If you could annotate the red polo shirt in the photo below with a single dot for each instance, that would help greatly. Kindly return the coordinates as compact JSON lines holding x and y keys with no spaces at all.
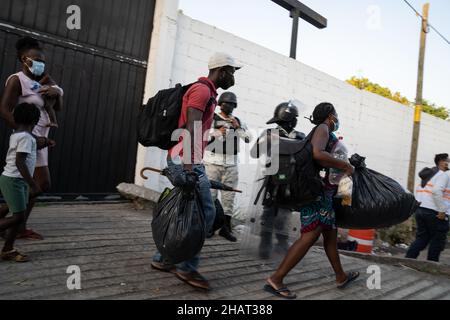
{"x":197,"y":97}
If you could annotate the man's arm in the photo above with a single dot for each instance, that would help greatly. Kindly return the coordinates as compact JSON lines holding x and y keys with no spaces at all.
{"x":243,"y":133}
{"x":194,"y":116}
{"x":440,"y":184}
{"x":324,"y":158}
{"x":23,"y":169}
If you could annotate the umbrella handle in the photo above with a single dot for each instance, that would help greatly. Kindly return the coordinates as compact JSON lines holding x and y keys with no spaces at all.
{"x":149,"y":169}
{"x":161,"y":172}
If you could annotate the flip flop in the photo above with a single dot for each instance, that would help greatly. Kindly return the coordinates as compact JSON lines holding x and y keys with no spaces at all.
{"x":351,"y":276}
{"x":289,"y":295}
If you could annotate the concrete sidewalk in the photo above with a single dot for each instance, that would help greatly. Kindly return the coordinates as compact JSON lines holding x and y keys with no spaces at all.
{"x":112,"y":244}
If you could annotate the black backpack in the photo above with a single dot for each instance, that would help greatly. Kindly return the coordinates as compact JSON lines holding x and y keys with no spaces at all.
{"x":158,"y":119}
{"x":297,"y":182}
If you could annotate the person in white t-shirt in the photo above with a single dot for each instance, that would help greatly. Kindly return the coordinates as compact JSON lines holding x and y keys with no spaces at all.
{"x":16,"y":181}
{"x":433,"y":215}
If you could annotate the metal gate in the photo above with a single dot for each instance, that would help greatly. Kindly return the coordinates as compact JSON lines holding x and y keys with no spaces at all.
{"x":102,"y":69}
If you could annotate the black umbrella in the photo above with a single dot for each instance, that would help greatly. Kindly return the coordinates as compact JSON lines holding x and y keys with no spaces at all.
{"x":214,"y":184}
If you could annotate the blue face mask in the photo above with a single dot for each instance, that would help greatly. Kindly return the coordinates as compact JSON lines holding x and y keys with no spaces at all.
{"x":336,"y":125}
{"x":37,"y":68}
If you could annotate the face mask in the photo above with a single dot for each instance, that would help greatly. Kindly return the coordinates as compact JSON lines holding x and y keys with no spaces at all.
{"x":227,"y":81}
{"x":289,"y":126}
{"x":336,"y":125}
{"x":37,"y":68}
{"x":228,"y":110}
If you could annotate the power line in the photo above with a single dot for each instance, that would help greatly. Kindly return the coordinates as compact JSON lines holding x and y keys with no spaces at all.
{"x":414,"y":9}
{"x":445,"y":39}
{"x":418,"y":14}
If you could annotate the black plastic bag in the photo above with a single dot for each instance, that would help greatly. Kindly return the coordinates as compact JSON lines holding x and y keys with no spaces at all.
{"x":179,"y":225}
{"x":377,"y":201}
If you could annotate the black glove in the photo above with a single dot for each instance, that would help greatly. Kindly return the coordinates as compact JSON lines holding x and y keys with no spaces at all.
{"x":182,"y":178}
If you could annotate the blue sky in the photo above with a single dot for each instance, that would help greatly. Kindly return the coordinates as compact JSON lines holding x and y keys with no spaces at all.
{"x":377,"y":39}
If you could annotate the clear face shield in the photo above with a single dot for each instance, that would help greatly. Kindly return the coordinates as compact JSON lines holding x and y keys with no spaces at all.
{"x":301,"y":107}
{"x":270,"y":227}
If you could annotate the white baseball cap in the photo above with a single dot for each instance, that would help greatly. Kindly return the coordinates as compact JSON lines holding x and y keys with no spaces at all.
{"x":220,"y":59}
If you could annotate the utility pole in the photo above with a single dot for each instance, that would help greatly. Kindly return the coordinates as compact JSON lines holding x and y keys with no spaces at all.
{"x":295,"y":15}
{"x":419,"y":99}
{"x":300,"y":11}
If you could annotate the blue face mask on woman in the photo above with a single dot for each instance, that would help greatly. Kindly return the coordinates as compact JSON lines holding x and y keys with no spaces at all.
{"x":336,"y":125}
{"x":37,"y":68}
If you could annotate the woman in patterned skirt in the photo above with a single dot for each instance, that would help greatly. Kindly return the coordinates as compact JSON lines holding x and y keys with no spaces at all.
{"x":317,"y":218}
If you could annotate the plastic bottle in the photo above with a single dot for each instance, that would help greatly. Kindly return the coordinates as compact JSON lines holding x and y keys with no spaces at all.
{"x":339,"y":152}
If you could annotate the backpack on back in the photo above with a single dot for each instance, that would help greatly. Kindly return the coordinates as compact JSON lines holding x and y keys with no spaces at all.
{"x":297,"y":181}
{"x":159,"y":118}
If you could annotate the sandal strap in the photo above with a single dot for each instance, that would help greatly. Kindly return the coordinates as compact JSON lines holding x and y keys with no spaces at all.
{"x":10,"y":252}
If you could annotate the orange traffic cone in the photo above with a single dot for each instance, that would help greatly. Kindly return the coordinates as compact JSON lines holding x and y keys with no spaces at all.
{"x":364,"y":238}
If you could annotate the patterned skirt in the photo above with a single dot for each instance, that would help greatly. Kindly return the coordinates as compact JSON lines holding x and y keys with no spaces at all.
{"x":319,"y":213}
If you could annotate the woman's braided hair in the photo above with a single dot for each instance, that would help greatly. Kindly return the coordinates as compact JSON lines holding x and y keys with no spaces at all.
{"x":321,"y":113}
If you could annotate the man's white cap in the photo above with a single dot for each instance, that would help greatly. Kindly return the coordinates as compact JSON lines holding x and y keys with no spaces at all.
{"x":220,"y":59}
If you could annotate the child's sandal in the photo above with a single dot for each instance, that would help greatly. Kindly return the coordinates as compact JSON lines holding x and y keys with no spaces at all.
{"x":14,"y":255}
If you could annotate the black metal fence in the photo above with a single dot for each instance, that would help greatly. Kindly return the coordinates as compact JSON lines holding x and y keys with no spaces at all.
{"x":102,"y":69}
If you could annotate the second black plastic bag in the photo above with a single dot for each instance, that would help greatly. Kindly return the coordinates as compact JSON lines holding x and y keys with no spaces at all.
{"x":179,"y":225}
{"x":377,"y":201}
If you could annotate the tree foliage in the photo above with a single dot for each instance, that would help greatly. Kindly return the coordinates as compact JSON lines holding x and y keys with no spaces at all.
{"x":427,"y":107}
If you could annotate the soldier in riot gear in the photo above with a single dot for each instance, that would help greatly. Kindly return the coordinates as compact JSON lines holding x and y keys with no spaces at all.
{"x":275,"y":216}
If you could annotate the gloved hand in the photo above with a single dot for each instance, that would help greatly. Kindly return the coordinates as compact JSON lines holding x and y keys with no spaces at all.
{"x":182,"y":178}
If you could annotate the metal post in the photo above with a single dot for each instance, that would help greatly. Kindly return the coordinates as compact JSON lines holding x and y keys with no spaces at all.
{"x":295,"y":14}
{"x":419,"y":100}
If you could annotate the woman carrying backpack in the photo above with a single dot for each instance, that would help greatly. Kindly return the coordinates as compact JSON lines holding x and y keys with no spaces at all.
{"x":318,"y":217}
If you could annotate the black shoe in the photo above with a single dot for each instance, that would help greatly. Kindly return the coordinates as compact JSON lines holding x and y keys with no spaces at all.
{"x":226,"y":233}
{"x":353,"y":245}
{"x":226,"y":230}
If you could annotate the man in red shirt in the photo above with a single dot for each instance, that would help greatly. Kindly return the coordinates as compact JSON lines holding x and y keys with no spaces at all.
{"x":196,"y":118}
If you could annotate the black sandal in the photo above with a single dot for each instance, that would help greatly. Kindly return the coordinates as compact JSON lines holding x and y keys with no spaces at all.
{"x":279,"y":293}
{"x":351,"y":276}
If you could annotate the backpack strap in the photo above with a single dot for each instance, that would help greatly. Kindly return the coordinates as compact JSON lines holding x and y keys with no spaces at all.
{"x":311,"y":134}
{"x":263,"y":187}
{"x":211,"y":89}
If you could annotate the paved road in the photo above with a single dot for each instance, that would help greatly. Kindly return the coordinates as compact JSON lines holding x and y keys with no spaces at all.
{"x":113,"y":246}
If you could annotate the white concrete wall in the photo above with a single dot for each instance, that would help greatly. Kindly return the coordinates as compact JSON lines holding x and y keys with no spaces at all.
{"x":159,"y":73}
{"x":372,"y":126}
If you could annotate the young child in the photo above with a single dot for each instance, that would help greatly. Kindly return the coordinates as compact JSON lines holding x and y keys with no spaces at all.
{"x":50,"y":103}
{"x":17,"y":177}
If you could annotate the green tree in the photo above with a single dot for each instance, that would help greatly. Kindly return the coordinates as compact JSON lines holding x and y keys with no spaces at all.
{"x":431,"y":108}
{"x":428,"y":107}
